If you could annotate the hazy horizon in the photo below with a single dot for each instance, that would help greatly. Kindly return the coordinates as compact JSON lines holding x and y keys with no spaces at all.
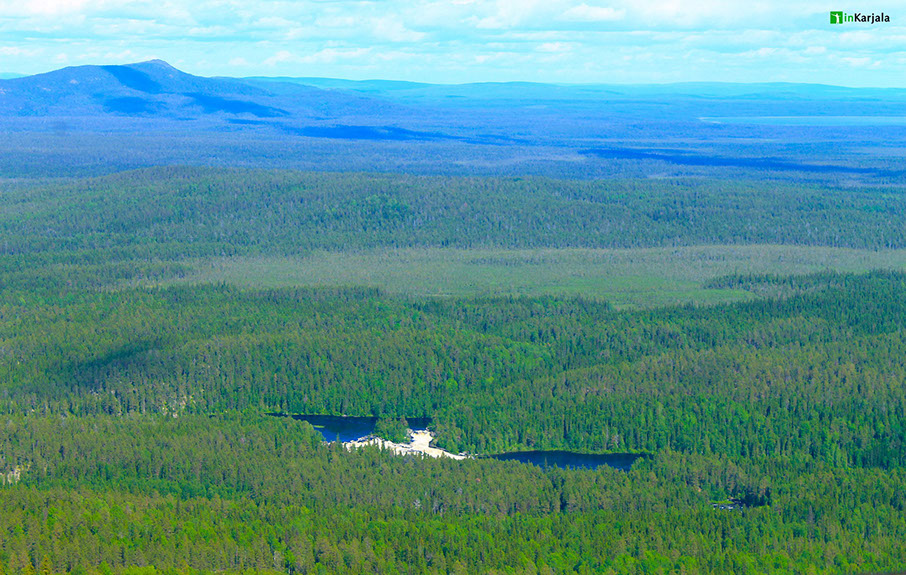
{"x":12,"y":75}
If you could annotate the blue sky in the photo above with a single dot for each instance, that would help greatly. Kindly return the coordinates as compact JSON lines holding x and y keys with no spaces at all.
{"x":587,"y":41}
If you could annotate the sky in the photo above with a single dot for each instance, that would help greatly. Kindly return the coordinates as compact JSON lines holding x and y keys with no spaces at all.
{"x":459,"y":41}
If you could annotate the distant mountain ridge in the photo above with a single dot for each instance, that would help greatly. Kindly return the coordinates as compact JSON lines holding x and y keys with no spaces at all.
{"x":160,"y":115}
{"x":607,"y":92}
{"x":155,"y":88}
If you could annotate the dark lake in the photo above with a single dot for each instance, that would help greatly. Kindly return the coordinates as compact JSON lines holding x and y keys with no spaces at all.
{"x":343,"y":428}
{"x":572,"y":460}
{"x":333,"y":427}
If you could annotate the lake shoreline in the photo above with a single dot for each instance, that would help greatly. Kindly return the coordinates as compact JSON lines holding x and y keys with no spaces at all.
{"x":354,"y":432}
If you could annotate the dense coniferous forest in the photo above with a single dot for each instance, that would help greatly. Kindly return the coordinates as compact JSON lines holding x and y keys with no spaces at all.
{"x":134,"y":430}
{"x":150,"y":224}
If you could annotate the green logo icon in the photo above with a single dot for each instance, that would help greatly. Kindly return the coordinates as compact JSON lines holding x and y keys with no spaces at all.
{"x":836,"y":17}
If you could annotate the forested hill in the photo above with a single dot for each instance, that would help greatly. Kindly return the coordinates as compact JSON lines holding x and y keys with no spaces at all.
{"x":495,"y":373}
{"x":156,"y":90}
{"x":197,"y":211}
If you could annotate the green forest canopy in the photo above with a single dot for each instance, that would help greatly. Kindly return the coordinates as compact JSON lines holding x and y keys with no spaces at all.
{"x":132,"y":434}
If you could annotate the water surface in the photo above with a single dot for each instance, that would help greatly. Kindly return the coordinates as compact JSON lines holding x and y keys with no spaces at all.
{"x":572,"y":459}
{"x":348,"y":428}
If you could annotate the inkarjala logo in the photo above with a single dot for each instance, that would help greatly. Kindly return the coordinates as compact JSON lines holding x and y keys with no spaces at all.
{"x":841,"y":17}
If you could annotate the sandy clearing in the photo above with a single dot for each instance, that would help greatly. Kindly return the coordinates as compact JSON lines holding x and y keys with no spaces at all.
{"x":420,"y":443}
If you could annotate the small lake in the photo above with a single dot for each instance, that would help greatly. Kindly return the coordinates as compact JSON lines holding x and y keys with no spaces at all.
{"x":571,"y":459}
{"x":344,"y":429}
{"x":334,"y":427}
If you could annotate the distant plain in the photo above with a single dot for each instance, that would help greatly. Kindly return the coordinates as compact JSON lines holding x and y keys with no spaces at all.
{"x":627,"y":278}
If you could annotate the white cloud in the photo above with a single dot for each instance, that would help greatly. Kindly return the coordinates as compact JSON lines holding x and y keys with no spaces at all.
{"x":717,"y":13}
{"x":764,"y":52}
{"x":332,"y":55}
{"x":512,"y":13}
{"x":863,"y":62}
{"x":867,"y":38}
{"x":209,"y":31}
{"x":279,"y":58}
{"x":123,"y":56}
{"x":388,"y":28}
{"x":443,"y":15}
{"x":337,"y":21}
{"x":274,"y":22}
{"x":325,"y":56}
{"x":554,"y":47}
{"x":43,"y":7}
{"x":17,"y":51}
{"x":586,"y":13}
